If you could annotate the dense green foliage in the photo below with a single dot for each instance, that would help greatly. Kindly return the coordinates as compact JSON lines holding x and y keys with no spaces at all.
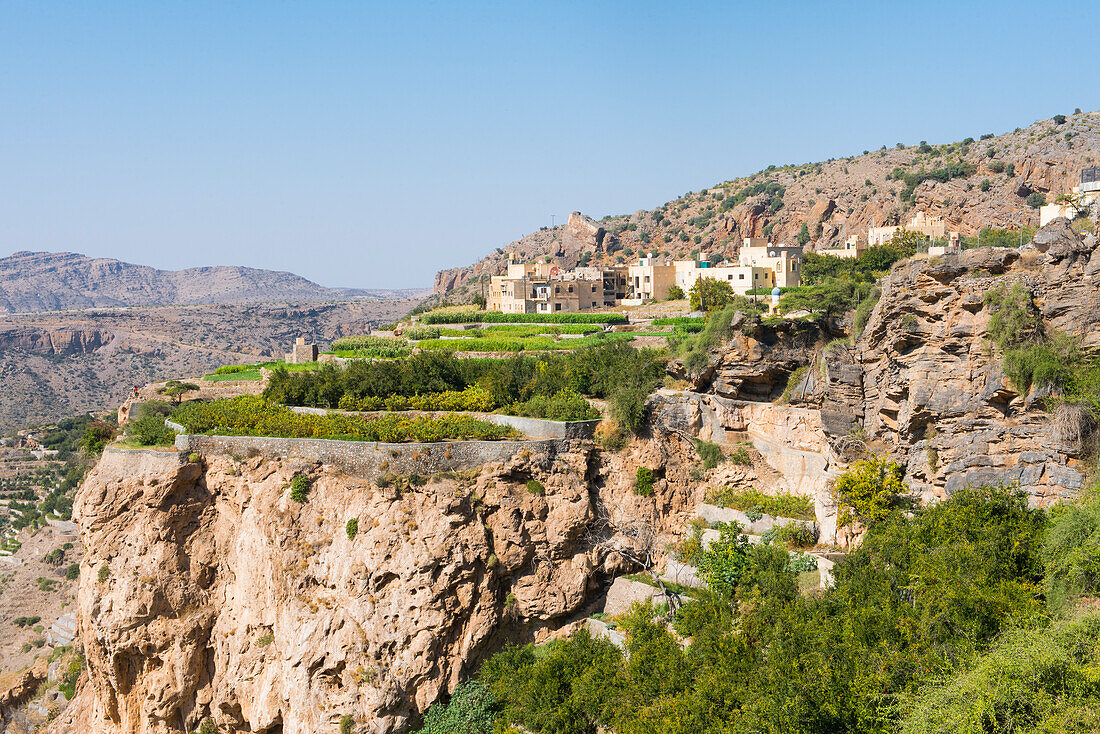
{"x":377,"y":347}
{"x":643,"y":481}
{"x":870,"y":491}
{"x":1072,"y":553}
{"x":695,"y":348}
{"x":710,"y":294}
{"x":491,"y":317}
{"x":710,"y":453}
{"x":248,"y":415}
{"x":519,"y":344}
{"x":920,"y":603}
{"x":149,"y":429}
{"x":798,"y":507}
{"x":616,"y":372}
{"x":868,"y":267}
{"x":299,"y":488}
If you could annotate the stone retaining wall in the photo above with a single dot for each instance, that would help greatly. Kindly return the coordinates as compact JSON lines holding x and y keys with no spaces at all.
{"x":530,"y":427}
{"x":368,"y":457}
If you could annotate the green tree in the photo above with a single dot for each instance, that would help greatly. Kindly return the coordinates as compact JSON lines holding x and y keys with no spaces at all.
{"x":725,"y":559}
{"x":803,"y":234}
{"x":176,"y":389}
{"x":1035,"y":199}
{"x":675,"y":293}
{"x":710,"y":294}
{"x":870,"y":491}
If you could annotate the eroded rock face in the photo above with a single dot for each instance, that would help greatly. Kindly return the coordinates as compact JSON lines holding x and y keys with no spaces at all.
{"x":207,"y":592}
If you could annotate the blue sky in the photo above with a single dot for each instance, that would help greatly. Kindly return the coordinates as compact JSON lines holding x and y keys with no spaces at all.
{"x":368,"y":145}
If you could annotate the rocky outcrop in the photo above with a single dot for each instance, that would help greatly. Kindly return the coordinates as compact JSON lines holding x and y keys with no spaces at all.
{"x":60,"y":341}
{"x":207,"y":593}
{"x":757,"y":360}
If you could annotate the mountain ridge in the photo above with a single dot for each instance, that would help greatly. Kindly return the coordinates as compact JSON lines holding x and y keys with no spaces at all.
{"x":982,"y":182}
{"x":33,"y":281}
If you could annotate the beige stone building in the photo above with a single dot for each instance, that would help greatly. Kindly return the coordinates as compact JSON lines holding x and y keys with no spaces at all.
{"x":931,"y":227}
{"x":852,"y":248}
{"x":1084,"y":197}
{"x":301,"y":353}
{"x":543,"y":287}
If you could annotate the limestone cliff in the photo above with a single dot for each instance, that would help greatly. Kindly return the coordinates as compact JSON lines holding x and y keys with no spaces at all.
{"x":206,"y":592}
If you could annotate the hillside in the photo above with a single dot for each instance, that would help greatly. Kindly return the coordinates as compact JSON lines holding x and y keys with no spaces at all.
{"x":988,"y":180}
{"x":58,"y":364}
{"x":49,"y":281}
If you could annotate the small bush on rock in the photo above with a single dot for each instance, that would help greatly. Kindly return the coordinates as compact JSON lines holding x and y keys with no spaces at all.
{"x":299,"y":488}
{"x":643,"y":482}
{"x":352,"y":528}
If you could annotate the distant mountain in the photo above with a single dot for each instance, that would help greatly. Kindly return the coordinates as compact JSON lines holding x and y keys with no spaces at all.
{"x":54,"y":281}
{"x":982,"y":181}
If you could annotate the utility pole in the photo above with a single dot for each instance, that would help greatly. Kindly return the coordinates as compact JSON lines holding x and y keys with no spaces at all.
{"x":552,"y":218}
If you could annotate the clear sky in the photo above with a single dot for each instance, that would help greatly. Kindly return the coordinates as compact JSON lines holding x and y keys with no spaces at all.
{"x":368,"y":145}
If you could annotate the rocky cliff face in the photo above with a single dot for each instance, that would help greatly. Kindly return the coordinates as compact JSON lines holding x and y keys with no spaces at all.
{"x":835,"y":199}
{"x":207,"y":592}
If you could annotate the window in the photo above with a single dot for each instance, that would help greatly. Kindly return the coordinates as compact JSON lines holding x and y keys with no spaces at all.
{"x":647,"y":279}
{"x":756,"y":276}
{"x":593,"y":290}
{"x":729,"y":277}
{"x":740,"y":276}
{"x":570,"y":289}
{"x":557,"y":307}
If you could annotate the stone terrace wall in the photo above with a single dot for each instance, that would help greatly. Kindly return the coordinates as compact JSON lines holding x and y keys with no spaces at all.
{"x":530,"y":427}
{"x":368,"y":458}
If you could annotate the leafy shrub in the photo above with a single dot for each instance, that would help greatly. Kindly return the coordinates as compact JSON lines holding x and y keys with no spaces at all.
{"x":472,"y":398}
{"x":72,"y":573}
{"x":741,"y":455}
{"x":1033,"y":680}
{"x":870,"y":491}
{"x":802,"y":563}
{"x":710,"y":294}
{"x":565,"y":405}
{"x":611,"y":436}
{"x":352,"y":528}
{"x":725,"y":560}
{"x":675,"y":293}
{"x":1071,"y":553}
{"x":69,"y":679}
{"x":104,"y":573}
{"x":710,"y":453}
{"x":643,"y":481}
{"x":299,"y":488}
{"x":793,"y":506}
{"x":347,"y":724}
{"x":265,"y":639}
{"x":1035,"y":200}
{"x":1012,"y":319}
{"x":997,"y":166}
{"x":248,"y":415}
{"x":534,"y":486}
{"x":796,"y":535}
{"x":149,"y":428}
{"x":380,"y":347}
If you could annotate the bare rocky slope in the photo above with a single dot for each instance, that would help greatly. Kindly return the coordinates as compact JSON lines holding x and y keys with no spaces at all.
{"x":835,"y":199}
{"x":206,"y":592}
{"x":62,"y":363}
{"x":53,"y":281}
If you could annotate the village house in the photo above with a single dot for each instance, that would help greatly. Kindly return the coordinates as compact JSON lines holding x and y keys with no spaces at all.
{"x":931,"y":227}
{"x":1083,"y":198}
{"x":542,"y":287}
